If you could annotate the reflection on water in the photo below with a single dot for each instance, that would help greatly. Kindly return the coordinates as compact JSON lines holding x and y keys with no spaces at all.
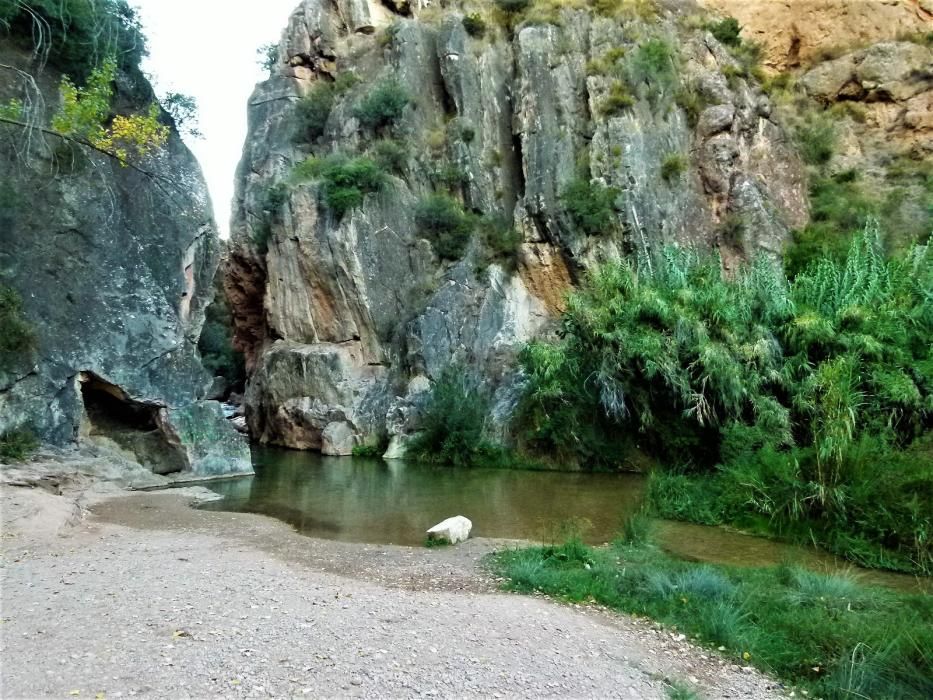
{"x":394,"y":502}
{"x":720,"y":546}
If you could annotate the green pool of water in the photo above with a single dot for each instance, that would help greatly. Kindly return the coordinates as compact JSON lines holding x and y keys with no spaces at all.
{"x":394,"y":502}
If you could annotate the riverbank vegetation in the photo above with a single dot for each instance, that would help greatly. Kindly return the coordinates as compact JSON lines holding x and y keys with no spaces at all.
{"x":825,"y":634}
{"x":797,"y":407}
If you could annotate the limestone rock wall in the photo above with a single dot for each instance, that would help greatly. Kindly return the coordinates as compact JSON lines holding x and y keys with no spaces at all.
{"x":798,"y":33}
{"x":115,"y":270}
{"x":345,"y":323}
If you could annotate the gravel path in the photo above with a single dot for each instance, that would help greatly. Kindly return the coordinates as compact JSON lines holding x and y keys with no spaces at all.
{"x":150,"y":598}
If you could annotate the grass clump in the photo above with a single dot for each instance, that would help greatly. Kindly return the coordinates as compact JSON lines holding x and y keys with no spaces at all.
{"x":673,"y":166}
{"x":16,"y":445}
{"x":824,"y":634}
{"x":383,"y":106}
{"x":445,"y":224}
{"x":590,"y":206}
{"x":345,"y":182}
{"x":617,"y":101}
{"x":692,"y":102}
{"x":653,"y":68}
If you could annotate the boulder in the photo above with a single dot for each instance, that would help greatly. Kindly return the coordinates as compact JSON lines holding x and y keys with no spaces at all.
{"x":338,"y":439}
{"x":453,"y":530}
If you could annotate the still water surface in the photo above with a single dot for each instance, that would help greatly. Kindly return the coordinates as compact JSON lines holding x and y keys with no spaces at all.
{"x":393,"y":502}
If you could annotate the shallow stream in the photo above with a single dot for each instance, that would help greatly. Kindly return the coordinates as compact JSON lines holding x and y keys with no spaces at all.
{"x":393,"y":502}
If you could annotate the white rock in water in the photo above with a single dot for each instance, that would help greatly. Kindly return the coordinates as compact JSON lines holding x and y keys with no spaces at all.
{"x":453,"y":530}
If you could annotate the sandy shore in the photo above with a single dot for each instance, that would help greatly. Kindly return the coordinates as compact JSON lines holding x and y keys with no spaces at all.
{"x":112,"y":594}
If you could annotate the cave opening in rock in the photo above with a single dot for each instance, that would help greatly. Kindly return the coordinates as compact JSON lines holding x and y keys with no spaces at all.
{"x":115,"y":420}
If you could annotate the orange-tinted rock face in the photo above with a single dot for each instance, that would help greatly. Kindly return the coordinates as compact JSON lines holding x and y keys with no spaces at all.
{"x":797,"y":32}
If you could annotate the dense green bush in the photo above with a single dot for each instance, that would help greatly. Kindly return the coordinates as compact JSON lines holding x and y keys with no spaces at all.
{"x":805,"y":392}
{"x":16,"y":334}
{"x":667,"y":347}
{"x":453,"y":423}
{"x":474,"y":25}
{"x":590,"y":206}
{"x":76,"y":36}
{"x":313,"y":110}
{"x":383,"y":106}
{"x":17,"y":445}
{"x":442,"y":221}
{"x":726,"y":31}
{"x":344,"y":181}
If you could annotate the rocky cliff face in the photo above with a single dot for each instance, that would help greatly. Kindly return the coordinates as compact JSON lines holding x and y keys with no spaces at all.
{"x":114,"y":269}
{"x":797,"y":34}
{"x":346,"y":321}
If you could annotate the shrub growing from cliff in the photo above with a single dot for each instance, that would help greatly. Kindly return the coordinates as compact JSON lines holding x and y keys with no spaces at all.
{"x":590,"y":206}
{"x":344,"y":181}
{"x":443,"y":222}
{"x":652,"y":68}
{"x":673,"y":165}
{"x":474,"y":25}
{"x":383,"y":106}
{"x":313,"y":110}
{"x":727,"y":31}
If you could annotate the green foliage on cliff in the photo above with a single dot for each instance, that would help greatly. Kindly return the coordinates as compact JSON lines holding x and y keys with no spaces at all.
{"x":784,"y":380}
{"x":474,"y":25}
{"x":727,"y":31}
{"x":673,"y":165}
{"x":76,"y":36}
{"x":383,"y":106}
{"x":443,"y":221}
{"x":826,"y":634}
{"x":344,"y":181}
{"x":16,"y":334}
{"x":313,"y":110}
{"x":216,"y":342}
{"x":590,"y":206}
